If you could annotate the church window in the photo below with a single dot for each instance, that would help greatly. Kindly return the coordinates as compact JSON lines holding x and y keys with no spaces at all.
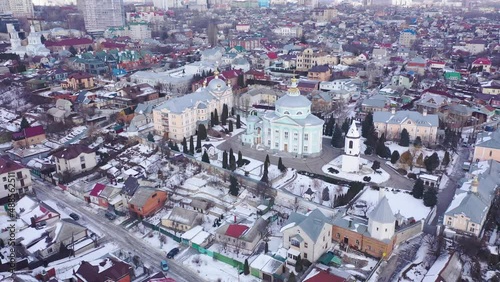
{"x":269,"y":131}
{"x":350,"y":144}
{"x":305,"y":148}
{"x":299,"y":113}
{"x":306,"y":137}
{"x":276,"y":145}
{"x":491,"y":152}
{"x":268,"y":142}
{"x":286,"y":134}
{"x":449,"y":223}
{"x":377,"y":228}
{"x":286,"y":112}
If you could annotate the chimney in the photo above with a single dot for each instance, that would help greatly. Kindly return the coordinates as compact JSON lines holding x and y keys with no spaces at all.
{"x":424,"y":112}
{"x":393,"y":110}
{"x":474,"y":185}
{"x":235,"y":219}
{"x":381,"y":193}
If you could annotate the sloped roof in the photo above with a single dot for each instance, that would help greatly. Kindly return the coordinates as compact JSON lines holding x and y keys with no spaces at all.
{"x":109,"y":269}
{"x":311,"y":224}
{"x":488,"y":139}
{"x":28,"y":132}
{"x":8,"y":165}
{"x":72,"y":151}
{"x":142,"y":196}
{"x":402,"y":116}
{"x":382,"y":213}
{"x":236,"y":230}
{"x":96,"y":191}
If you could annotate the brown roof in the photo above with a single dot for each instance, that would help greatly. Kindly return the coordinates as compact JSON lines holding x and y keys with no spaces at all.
{"x":8,"y":165}
{"x":72,"y":151}
{"x":102,"y":271}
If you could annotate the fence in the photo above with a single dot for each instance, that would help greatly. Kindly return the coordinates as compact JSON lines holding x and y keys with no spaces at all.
{"x":408,"y":232}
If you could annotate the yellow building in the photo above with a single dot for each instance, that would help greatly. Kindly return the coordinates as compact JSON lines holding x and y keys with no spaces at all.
{"x":310,"y":58}
{"x":180,"y":117}
{"x":392,"y":124}
{"x":487,"y":146}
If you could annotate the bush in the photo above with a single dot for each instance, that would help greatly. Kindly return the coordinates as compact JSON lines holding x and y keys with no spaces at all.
{"x":402,"y":171}
{"x":368,"y":151}
{"x":411,"y":175}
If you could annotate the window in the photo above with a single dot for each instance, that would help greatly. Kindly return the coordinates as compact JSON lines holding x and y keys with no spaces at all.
{"x":286,"y":113}
{"x":473,"y":224}
{"x":338,"y":235}
{"x":83,"y":166}
{"x":448,"y":223}
{"x":299,"y":113}
{"x":471,"y":229}
{"x":6,"y":186}
{"x":305,"y":255}
{"x":286,"y":134}
{"x":276,"y":145}
{"x":357,"y":242}
{"x":377,"y":228}
{"x":4,"y":178}
{"x":82,"y":158}
{"x":350,"y":144}
{"x":268,"y":142}
{"x":386,"y":230}
{"x":323,"y":238}
{"x":305,"y":245}
{"x":491,"y":152}
{"x":305,"y":148}
{"x":306,"y":137}
{"x":295,"y":243}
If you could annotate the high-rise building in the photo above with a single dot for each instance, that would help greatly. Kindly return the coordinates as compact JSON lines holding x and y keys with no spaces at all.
{"x":18,"y":8}
{"x":101,"y":14}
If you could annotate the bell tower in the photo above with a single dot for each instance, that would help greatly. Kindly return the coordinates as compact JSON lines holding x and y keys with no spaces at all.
{"x":350,"y":159}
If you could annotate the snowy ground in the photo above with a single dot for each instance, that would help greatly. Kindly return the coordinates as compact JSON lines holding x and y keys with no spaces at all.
{"x":417,"y":269}
{"x":214,"y":270}
{"x":375,"y":177}
{"x":154,"y":238}
{"x":401,"y":202}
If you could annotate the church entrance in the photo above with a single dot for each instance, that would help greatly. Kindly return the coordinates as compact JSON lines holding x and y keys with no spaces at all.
{"x":285,"y":148}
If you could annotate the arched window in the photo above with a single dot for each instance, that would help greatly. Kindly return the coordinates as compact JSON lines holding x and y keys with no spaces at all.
{"x":299,"y":113}
{"x":286,"y":112}
{"x":350,"y":144}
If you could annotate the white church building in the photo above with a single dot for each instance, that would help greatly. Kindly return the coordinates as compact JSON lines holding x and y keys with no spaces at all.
{"x":34,"y":47}
{"x":291,"y":128}
{"x":352,"y":147}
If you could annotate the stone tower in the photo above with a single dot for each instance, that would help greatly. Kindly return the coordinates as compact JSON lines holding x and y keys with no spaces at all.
{"x":350,"y":159}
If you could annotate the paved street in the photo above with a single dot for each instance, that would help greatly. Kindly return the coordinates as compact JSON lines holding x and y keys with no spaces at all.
{"x":313,"y":164}
{"x":446,"y":194}
{"x":115,"y":233}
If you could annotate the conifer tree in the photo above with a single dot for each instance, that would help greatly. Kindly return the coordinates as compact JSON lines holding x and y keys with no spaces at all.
{"x":230,"y":125}
{"x":246,"y":268}
{"x":205,"y":158}
{"x":234,"y":186}
{"x":418,"y":189}
{"x":430,"y":197}
{"x":238,"y":122}
{"x":224,"y":160}
{"x":191,"y":145}
{"x":184,"y":146}
{"x":239,"y":162}
{"x":24,"y":123}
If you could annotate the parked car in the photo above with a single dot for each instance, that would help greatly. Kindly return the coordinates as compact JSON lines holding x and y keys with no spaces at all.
{"x":164,"y":265}
{"x":41,"y":224}
{"x":74,"y":216}
{"x":172,"y":253}
{"x":110,"y":216}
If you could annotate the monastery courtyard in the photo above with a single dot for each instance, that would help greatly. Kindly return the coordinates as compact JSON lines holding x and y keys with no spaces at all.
{"x":312,"y":164}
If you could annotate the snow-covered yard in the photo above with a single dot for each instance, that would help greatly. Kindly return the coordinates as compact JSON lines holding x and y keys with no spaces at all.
{"x":214,"y":270}
{"x":366,"y":171}
{"x":399,"y":201}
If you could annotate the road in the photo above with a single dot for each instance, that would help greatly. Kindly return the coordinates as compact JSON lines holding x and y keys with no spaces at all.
{"x":117,"y":234}
{"x":448,"y":192}
{"x":313,"y":164}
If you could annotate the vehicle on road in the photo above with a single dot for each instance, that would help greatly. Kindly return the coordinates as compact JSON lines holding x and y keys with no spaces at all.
{"x":110,"y":216}
{"x":164,"y":265}
{"x":74,"y":216}
{"x":172,"y":253}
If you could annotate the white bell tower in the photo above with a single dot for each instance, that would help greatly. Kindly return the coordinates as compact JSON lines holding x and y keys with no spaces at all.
{"x":350,"y":159}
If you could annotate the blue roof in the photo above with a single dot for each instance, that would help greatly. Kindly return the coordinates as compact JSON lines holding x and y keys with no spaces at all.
{"x":410,"y":31}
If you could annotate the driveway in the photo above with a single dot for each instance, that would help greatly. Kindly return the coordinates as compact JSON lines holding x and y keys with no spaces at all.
{"x":313,"y":164}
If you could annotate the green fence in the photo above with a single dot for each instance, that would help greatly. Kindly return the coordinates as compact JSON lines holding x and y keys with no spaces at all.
{"x":161,"y":230}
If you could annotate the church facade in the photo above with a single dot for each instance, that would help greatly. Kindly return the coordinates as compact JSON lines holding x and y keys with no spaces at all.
{"x":180,"y":117}
{"x":291,"y":128}
{"x":34,"y":47}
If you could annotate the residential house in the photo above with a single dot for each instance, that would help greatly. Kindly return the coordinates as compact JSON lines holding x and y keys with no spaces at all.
{"x":321,"y":73}
{"x":139,"y":93}
{"x":61,"y":110}
{"x":432,"y":103}
{"x":492,"y":89}
{"x":482,"y":64}
{"x":266,"y":267}
{"x":110,"y":269}
{"x":403,"y":80}
{"x":380,"y":53}
{"x":94,"y":195}
{"x":16,"y":179}
{"x":63,"y":236}
{"x":376,"y":103}
{"x":487,"y":146}
{"x":181,"y":219}
{"x":310,"y":58}
{"x":74,"y":159}
{"x":417,"y":64}
{"x":28,"y":137}
{"x":476,"y":46}
{"x":307,"y":86}
{"x":468,"y":211}
{"x":329,"y":274}
{"x":242,"y":236}
{"x":308,"y":236}
{"x":392,"y":123}
{"x":458,"y":115}
{"x":146,"y":201}
{"x":78,"y":81}
{"x":130,"y":186}
{"x":32,"y":212}
{"x":257,"y":95}
{"x":321,"y":102}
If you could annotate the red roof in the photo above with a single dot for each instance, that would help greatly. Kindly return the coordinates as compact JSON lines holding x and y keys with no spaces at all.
{"x":28,"y":132}
{"x":69,"y":42}
{"x":107,"y":44}
{"x":482,"y":61}
{"x":272,"y":55}
{"x":98,"y":187}
{"x":324,"y":276}
{"x":8,"y":165}
{"x":236,"y":230}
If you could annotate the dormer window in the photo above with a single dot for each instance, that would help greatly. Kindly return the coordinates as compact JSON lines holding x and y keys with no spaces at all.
{"x":286,"y":113}
{"x":299,"y":113}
